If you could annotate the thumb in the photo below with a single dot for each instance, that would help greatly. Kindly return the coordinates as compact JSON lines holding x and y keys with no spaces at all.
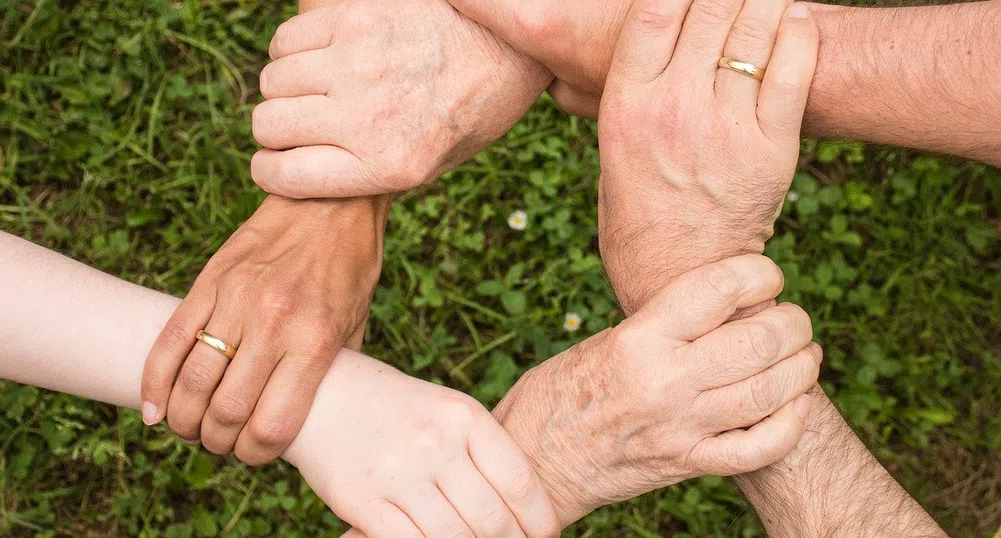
{"x":315,"y":172}
{"x":647,"y":40}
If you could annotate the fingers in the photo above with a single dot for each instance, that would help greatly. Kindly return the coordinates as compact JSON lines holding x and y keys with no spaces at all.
{"x":701,"y":43}
{"x":383,"y":519}
{"x":313,"y":172}
{"x":234,"y":400}
{"x":202,"y":371}
{"x":433,"y":514}
{"x":751,"y":40}
{"x":745,"y":403}
{"x":175,"y":342}
{"x":701,"y":300}
{"x":308,"y":31}
{"x":647,"y":41}
{"x":783,"y":96}
{"x":283,"y":406}
{"x":743,"y":451}
{"x":502,"y":463}
{"x":296,"y":75}
{"x":286,"y":123}
{"x":746,"y":347}
{"x":477,"y":503}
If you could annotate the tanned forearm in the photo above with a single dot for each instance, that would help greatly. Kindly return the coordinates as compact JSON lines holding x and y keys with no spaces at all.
{"x":831,"y":486}
{"x":920,"y":77}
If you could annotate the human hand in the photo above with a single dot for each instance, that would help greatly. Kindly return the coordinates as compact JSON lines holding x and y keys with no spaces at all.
{"x":376,"y":96}
{"x":574,"y":39}
{"x":667,"y":395}
{"x":399,"y":457}
{"x":696,"y":160}
{"x":288,"y":289}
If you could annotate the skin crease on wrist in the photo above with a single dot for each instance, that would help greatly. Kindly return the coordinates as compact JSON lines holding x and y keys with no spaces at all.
{"x":921,"y":77}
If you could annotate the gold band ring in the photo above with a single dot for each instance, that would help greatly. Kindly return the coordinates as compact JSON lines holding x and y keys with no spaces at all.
{"x":216,"y":344}
{"x":744,"y":68}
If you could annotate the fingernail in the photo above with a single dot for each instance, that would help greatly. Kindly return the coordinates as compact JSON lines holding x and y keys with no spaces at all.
{"x":189,"y":443}
{"x":151,"y":414}
{"x":798,"y":11}
{"x":802,"y":406}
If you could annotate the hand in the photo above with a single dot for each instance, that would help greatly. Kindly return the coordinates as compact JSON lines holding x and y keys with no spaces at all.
{"x":378,"y":96}
{"x":397,"y":456}
{"x":667,"y":395}
{"x":574,"y":39}
{"x":696,"y":160}
{"x":288,"y":289}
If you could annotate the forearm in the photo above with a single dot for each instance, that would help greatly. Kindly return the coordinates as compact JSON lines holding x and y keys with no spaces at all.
{"x":921,"y":77}
{"x":70,"y":328}
{"x":832,"y":486}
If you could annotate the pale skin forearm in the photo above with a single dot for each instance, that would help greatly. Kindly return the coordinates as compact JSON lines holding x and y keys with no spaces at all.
{"x":920,"y":77}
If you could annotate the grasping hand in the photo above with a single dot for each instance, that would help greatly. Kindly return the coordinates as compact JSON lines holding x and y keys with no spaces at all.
{"x":399,"y":457}
{"x":288,"y":289}
{"x":667,"y":395}
{"x":375,"y":96}
{"x":695,"y":159}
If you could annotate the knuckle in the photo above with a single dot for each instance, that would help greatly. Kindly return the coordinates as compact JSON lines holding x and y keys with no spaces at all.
{"x":751,"y":31}
{"x":522,"y":486}
{"x":430,"y":438}
{"x":534,"y":20}
{"x":271,"y":431}
{"x":786,"y":90}
{"x":230,"y":410}
{"x":287,"y":172}
{"x":762,"y":397}
{"x":801,"y":318}
{"x":656,"y":15}
{"x":462,"y":410}
{"x":762,"y":340}
{"x":549,"y":528}
{"x":723,"y":280}
{"x":277,"y":304}
{"x":176,"y":335}
{"x":198,"y":377}
{"x":714,"y":11}
{"x":498,"y":521}
{"x":322,"y":333}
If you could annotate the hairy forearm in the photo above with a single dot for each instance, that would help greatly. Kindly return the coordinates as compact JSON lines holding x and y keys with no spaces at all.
{"x":832,"y":486}
{"x":922,"y":77}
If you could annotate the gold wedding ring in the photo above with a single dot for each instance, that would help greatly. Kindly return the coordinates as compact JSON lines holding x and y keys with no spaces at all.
{"x":216,"y":344}
{"x":744,"y":68}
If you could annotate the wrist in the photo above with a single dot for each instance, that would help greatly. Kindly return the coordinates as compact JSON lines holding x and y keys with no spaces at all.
{"x":533,"y":413}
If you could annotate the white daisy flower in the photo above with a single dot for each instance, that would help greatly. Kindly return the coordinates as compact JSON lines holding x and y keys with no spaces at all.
{"x":518,"y":220}
{"x":792,"y":196}
{"x":571,"y":322}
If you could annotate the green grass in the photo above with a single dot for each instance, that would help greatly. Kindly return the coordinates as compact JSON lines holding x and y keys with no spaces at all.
{"x":125,"y":143}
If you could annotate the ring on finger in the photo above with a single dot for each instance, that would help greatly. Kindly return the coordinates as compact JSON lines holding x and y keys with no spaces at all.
{"x":744,"y":68}
{"x":216,"y":344}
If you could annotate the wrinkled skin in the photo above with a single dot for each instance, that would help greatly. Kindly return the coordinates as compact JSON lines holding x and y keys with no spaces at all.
{"x":351,"y":83}
{"x":666,"y":395}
